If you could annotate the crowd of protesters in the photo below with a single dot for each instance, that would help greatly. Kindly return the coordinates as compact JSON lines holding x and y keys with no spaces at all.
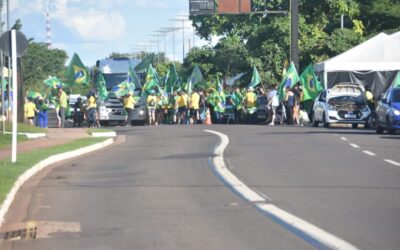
{"x":233,"y":106}
{"x":199,"y":107}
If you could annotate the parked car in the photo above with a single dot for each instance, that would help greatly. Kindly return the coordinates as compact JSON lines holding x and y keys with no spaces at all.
{"x":344,"y":103}
{"x":388,"y":112}
{"x":262,"y":109}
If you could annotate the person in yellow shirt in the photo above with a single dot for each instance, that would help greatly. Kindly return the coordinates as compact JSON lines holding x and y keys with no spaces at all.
{"x":182,"y":107}
{"x":129,"y":104}
{"x":250,"y":102}
{"x":29,"y":110}
{"x":151,"y":107}
{"x":92,"y":109}
{"x":194,"y":107}
{"x":63,"y":100}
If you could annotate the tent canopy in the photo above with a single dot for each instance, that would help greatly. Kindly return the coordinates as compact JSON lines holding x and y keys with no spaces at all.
{"x":380,"y":53}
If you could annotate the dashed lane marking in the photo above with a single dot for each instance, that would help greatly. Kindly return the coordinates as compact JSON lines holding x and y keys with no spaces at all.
{"x":354,"y":145}
{"x":305,"y":230}
{"x":343,"y":138}
{"x":392,"y":162}
{"x":369,"y":153}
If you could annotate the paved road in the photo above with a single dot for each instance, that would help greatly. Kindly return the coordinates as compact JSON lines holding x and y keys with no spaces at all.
{"x":157,"y":190}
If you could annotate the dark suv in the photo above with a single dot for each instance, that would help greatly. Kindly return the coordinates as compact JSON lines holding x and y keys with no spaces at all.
{"x":388,"y":112}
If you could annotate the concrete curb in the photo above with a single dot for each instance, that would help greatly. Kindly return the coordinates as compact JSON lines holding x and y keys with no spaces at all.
{"x":104,"y":134}
{"x":41,"y":165}
{"x":31,"y":135}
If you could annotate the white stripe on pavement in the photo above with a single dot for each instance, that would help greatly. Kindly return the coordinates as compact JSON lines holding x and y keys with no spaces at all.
{"x":354,"y":145}
{"x":392,"y":162}
{"x":343,"y":138}
{"x":369,"y":153}
{"x":304,"y":229}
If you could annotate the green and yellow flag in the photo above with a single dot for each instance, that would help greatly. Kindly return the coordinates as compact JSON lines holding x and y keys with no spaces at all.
{"x":151,"y":81}
{"x":52,"y":82}
{"x":310,"y":83}
{"x":255,"y":79}
{"x":77,"y":73}
{"x":171,"y":79}
{"x":101,"y":87}
{"x":195,"y":78}
{"x":289,"y":80}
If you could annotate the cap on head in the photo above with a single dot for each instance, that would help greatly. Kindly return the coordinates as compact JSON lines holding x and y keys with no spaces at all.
{"x":250,"y":89}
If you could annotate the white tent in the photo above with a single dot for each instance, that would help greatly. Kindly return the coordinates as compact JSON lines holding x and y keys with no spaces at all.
{"x":378,"y":54}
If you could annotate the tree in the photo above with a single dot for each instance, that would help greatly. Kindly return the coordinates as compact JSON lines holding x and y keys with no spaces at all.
{"x":39,"y":62}
{"x":203,"y":57}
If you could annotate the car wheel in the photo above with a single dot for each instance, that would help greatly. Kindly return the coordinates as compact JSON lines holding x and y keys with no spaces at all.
{"x":313,"y":121}
{"x":355,"y":125}
{"x":390,"y":130}
{"x":379,"y":129}
{"x":326,"y":125}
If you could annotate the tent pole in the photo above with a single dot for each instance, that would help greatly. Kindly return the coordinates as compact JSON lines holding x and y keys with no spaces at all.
{"x":326,"y":79}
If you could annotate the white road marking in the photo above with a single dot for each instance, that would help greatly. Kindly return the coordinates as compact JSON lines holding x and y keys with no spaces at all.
{"x":354,"y":145}
{"x":392,"y":162}
{"x":343,"y":138}
{"x":369,"y":153}
{"x":284,"y":218}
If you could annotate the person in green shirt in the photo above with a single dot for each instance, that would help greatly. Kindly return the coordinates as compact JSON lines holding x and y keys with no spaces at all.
{"x":237,"y":103}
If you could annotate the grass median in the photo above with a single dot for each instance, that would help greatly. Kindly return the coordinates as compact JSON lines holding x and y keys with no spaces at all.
{"x":9,"y":172}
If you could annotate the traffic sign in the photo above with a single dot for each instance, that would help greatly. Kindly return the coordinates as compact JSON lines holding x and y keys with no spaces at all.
{"x":5,"y":44}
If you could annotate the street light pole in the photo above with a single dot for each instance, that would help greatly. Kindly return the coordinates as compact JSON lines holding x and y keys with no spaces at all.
{"x":294,"y":27}
{"x":183,"y":20}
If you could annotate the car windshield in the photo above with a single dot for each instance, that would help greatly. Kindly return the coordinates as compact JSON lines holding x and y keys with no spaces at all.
{"x":353,"y":99}
{"x":113,"y":79}
{"x":396,"y":95}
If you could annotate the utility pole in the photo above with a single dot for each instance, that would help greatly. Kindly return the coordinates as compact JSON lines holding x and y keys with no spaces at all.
{"x":294,"y":31}
{"x":158,"y":47}
{"x":172,"y":29}
{"x":183,"y":19}
{"x":164,"y":32}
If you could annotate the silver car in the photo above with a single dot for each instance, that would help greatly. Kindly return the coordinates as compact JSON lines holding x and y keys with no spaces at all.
{"x":344,"y":103}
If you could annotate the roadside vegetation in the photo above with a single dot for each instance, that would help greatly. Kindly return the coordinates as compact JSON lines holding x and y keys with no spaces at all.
{"x":9,"y":172}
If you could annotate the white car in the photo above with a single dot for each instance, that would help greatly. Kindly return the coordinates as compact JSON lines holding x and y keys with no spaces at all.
{"x":344,"y":103}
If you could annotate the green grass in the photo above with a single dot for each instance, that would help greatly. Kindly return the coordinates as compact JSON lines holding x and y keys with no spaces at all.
{"x":98,"y":130}
{"x":5,"y":140}
{"x":9,"y":172}
{"x":23,"y":128}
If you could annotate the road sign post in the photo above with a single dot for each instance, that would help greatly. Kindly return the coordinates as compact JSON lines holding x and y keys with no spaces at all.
{"x":13,"y":44}
{"x":15,"y":91}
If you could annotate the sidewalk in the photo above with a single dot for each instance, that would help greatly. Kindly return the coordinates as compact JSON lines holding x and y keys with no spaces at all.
{"x":55,"y":136}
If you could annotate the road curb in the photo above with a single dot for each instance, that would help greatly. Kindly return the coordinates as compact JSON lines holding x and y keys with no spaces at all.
{"x":41,"y":165}
{"x":31,"y":135}
{"x":104,"y":134}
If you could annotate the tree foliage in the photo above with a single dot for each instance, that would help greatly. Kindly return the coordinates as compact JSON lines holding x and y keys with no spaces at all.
{"x":39,"y":62}
{"x":264,"y":40}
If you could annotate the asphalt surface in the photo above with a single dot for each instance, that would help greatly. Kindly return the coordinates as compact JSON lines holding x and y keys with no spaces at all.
{"x":157,"y":190}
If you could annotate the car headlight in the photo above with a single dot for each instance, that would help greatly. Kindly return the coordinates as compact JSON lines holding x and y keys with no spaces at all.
{"x":331,"y":107}
{"x":141,"y":112}
{"x":396,"y":112}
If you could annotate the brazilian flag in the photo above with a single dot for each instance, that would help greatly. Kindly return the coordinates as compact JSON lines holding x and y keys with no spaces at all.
{"x":255,"y":79}
{"x":310,"y":83}
{"x":289,"y":80}
{"x":101,"y":86}
{"x":77,"y":73}
{"x":52,"y":82}
{"x":151,"y":81}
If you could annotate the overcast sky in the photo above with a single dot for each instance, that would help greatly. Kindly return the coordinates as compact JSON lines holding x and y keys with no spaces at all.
{"x":95,"y":28}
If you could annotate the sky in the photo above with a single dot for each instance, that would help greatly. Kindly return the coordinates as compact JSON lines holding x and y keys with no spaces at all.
{"x":95,"y":28}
